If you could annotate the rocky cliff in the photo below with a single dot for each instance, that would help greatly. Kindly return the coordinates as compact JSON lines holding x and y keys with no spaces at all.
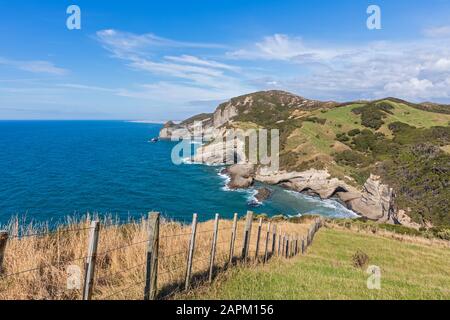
{"x":325,"y":147}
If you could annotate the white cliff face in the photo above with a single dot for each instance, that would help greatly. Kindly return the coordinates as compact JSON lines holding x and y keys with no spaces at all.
{"x":222,"y":116}
{"x":376,"y":201}
{"x":221,"y":152}
{"x":314,"y":181}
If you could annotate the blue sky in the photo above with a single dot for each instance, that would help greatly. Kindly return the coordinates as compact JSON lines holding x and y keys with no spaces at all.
{"x":158,"y":60}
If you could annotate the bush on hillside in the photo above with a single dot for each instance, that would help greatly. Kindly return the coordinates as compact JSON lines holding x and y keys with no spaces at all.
{"x":360,"y":259}
{"x":316,"y":120}
{"x":352,"y":158}
{"x":354,"y":132}
{"x":400,"y":229}
{"x":342,"y":137}
{"x":372,"y":115}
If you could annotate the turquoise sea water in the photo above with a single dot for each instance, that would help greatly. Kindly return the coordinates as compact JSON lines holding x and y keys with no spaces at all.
{"x":53,"y":169}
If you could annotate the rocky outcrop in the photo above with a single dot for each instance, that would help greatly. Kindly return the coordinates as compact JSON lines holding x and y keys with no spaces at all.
{"x":224,"y":114}
{"x":220,"y":152}
{"x":167,"y":130}
{"x":241,"y":176}
{"x":376,"y":201}
{"x":263,"y":194}
{"x":311,"y":181}
{"x":406,"y":220}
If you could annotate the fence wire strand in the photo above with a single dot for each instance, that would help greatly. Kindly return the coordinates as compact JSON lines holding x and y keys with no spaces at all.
{"x":123,"y":290}
{"x":46,"y":233}
{"x":221,"y":254}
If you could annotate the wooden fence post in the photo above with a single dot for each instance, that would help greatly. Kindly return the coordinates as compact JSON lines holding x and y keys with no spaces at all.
{"x":233,"y":238}
{"x":303,"y":245}
{"x":151,"y":274}
{"x":213,"y":248}
{"x":274,"y":239}
{"x":296,"y":245}
{"x":291,"y":246}
{"x":258,"y":238}
{"x":288,"y":244}
{"x":294,"y":241}
{"x":283,"y":246}
{"x":91,"y":261}
{"x":286,"y":249}
{"x":247,"y":234}
{"x":3,"y":240}
{"x":266,"y":249}
{"x":279,"y":243}
{"x":191,"y":252}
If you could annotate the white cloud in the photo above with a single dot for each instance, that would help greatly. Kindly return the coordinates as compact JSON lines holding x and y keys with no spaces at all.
{"x":122,"y":43}
{"x":442,"y":64}
{"x":437,"y":32}
{"x":178,"y":93}
{"x":284,"y":48}
{"x":191,"y":77}
{"x":412,"y":87}
{"x":36,"y":66}
{"x":184,"y":71}
{"x":202,"y":62}
{"x":410,"y":69}
{"x":85,"y":87}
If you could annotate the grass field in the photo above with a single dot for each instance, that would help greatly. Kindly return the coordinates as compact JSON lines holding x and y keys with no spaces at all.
{"x":408,"y":271}
{"x":313,"y":138}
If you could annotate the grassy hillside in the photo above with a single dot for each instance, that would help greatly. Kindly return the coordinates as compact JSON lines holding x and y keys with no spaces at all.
{"x":408,"y":271}
{"x":406,"y":144}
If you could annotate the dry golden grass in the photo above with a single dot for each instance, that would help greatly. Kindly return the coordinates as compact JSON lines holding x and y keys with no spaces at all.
{"x":36,"y":266}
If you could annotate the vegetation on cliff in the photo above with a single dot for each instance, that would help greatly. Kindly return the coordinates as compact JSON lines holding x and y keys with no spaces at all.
{"x":407,"y":144}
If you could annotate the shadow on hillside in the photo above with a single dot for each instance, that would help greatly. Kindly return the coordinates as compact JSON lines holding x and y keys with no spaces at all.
{"x":201,"y":277}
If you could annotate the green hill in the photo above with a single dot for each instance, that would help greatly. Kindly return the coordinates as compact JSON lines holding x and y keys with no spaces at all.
{"x":406,"y":144}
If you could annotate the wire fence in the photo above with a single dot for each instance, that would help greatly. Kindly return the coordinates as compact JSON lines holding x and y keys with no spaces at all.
{"x":155,"y":259}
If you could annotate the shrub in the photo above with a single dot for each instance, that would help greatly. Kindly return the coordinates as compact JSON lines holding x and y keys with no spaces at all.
{"x":354,"y":132}
{"x":372,"y":115}
{"x":342,"y":137}
{"x":360,"y":259}
{"x":400,"y":229}
{"x":263,"y":216}
{"x":279,"y":217}
{"x":441,"y":233}
{"x":351,"y":158}
{"x":316,"y":120}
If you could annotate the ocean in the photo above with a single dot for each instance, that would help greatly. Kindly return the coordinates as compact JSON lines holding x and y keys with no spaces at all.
{"x":50,"y":170}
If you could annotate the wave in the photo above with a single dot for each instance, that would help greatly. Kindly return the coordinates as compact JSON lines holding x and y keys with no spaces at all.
{"x":251,"y":198}
{"x":251,"y":192}
{"x":338,"y":209}
{"x":226,"y":179}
